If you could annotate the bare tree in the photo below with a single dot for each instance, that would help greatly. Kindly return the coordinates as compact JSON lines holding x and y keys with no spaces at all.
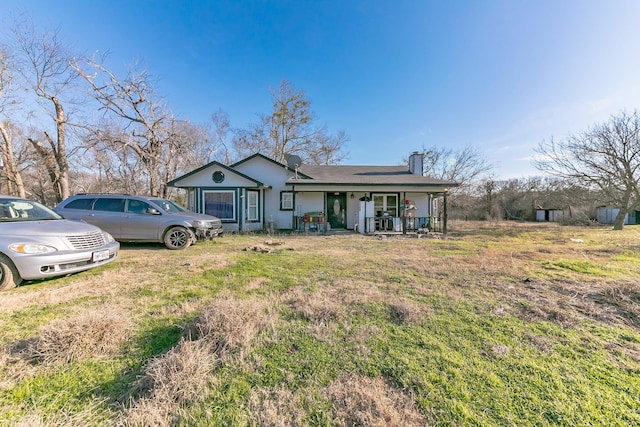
{"x":465,"y":166}
{"x":145,"y":124}
{"x":108,"y":166}
{"x":190,"y":146}
{"x":9,"y":169}
{"x":45,"y":66}
{"x":605,"y":158}
{"x":290,"y":129}
{"x":221,"y":135}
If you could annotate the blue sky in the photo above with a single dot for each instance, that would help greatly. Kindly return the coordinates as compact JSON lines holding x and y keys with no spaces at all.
{"x":502,"y":75}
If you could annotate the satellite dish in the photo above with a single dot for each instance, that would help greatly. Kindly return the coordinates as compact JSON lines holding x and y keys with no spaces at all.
{"x":294,"y":161}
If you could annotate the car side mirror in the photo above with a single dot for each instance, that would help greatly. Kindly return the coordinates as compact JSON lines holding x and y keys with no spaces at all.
{"x":153,"y":211}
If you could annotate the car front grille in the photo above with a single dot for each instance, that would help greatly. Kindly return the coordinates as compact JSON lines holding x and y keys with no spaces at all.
{"x":87,"y":241}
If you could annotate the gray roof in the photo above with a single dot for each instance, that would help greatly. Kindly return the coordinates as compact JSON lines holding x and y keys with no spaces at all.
{"x":363,"y":175}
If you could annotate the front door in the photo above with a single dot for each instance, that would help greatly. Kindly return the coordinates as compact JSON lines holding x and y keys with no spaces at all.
{"x":337,"y":210}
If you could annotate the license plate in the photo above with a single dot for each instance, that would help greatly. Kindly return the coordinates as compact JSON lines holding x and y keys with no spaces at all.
{"x":100,"y":256}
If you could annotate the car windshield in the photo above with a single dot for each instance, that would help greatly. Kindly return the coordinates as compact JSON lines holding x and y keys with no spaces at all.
{"x":24,"y":210}
{"x":168,"y":206}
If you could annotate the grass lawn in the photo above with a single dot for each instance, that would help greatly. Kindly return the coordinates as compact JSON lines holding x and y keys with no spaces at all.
{"x":496,"y":324}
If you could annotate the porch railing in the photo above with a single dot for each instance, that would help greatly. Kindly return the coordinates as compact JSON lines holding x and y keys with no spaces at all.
{"x":401,"y":224}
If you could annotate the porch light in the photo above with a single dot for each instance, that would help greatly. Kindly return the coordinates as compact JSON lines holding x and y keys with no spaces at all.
{"x":352,"y":196}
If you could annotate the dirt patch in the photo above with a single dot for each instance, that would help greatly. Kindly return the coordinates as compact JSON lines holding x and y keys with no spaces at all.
{"x":612,"y":303}
{"x":404,"y":311}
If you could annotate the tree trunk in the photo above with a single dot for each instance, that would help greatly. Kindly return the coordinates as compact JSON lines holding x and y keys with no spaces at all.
{"x":61,"y":151}
{"x":618,"y":224}
{"x":11,"y":169}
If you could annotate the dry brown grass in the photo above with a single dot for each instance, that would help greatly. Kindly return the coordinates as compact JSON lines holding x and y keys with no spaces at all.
{"x":367,"y":277}
{"x":276,"y":408}
{"x":90,"y":334}
{"x":36,"y":417}
{"x":363,"y":401}
{"x":182,"y":375}
{"x":177,"y":377}
{"x":228,"y":325}
{"x":139,"y":267}
{"x":321,"y":307}
{"x":14,"y":368}
{"x":404,"y":311}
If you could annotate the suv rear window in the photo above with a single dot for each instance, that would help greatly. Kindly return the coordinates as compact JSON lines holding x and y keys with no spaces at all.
{"x":109,"y":204}
{"x":80,"y":204}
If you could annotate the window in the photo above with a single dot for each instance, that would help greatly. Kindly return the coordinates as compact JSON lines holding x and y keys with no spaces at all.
{"x":252,"y":206}
{"x":218,"y":177}
{"x":137,"y":206}
{"x":385,"y":203}
{"x":109,"y":205}
{"x":84,"y":204}
{"x":221,"y":204}
{"x":286,"y":201}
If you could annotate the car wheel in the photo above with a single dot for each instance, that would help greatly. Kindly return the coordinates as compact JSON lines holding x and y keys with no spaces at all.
{"x":9,"y":276}
{"x":177,"y":238}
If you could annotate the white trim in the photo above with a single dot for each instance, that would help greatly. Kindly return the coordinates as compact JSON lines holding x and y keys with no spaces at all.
{"x":253,"y":205}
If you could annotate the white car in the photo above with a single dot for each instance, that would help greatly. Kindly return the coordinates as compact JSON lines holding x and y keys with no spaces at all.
{"x":37,"y":243}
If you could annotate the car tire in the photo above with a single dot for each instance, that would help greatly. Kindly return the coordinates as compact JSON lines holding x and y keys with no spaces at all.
{"x":9,"y":276}
{"x":178,"y":238}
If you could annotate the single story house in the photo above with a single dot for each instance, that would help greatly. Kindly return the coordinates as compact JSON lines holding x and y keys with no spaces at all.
{"x":258,"y":193}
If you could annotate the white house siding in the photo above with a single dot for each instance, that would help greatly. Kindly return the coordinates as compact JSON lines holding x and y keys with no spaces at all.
{"x":308,"y":202}
{"x":421,"y":202}
{"x":204,"y":179}
{"x":274,"y":176}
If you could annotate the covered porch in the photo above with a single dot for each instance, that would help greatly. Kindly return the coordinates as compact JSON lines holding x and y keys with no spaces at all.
{"x":369,"y":212}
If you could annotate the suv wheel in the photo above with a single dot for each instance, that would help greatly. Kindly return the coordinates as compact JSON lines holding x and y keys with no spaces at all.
{"x":9,"y":276}
{"x":177,"y":238}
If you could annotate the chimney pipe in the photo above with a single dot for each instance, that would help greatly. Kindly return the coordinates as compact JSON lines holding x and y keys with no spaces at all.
{"x":416,"y":161}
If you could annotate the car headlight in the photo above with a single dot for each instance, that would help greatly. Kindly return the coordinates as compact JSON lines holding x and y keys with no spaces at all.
{"x":108,"y":237}
{"x":31,"y":248}
{"x":200,"y":224}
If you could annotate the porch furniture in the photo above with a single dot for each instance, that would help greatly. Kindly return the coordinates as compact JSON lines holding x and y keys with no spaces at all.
{"x":314,"y":222}
{"x":384,"y":223}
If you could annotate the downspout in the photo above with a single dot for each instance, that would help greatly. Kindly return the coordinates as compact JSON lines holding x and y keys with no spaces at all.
{"x":242,"y":197}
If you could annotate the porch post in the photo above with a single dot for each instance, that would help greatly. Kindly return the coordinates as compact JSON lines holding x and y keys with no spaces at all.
{"x":403,"y":212}
{"x":294,"y":214}
{"x":294,"y":219}
{"x":444,"y":214}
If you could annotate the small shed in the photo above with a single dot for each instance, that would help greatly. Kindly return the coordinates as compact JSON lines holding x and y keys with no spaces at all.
{"x":607,"y":215}
{"x":552,"y":215}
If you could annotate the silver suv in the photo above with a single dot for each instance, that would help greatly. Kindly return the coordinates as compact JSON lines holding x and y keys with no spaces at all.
{"x":142,"y":219}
